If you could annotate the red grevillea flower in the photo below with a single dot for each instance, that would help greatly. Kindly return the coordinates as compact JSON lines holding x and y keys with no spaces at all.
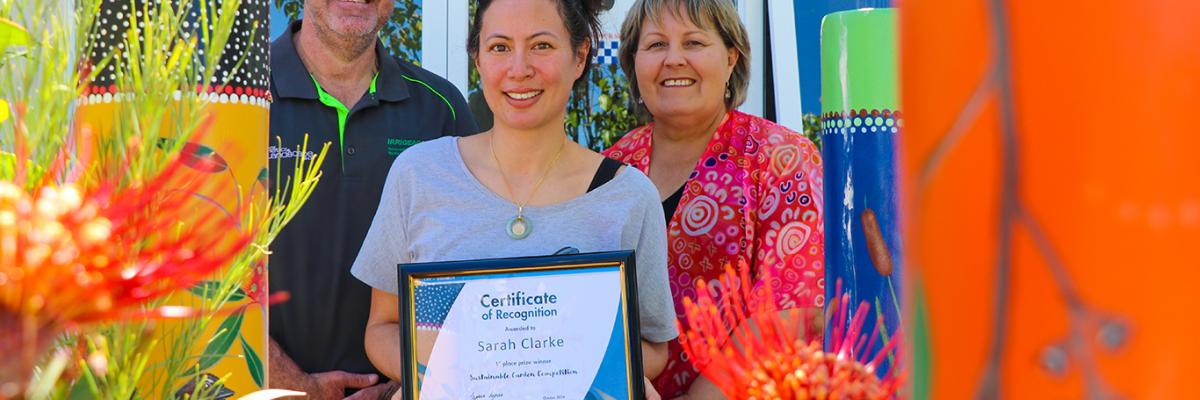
{"x":254,"y":287}
{"x":758,"y":353}
{"x":71,"y":256}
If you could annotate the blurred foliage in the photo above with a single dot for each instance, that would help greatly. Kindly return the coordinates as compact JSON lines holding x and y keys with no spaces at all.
{"x":812,"y":128}
{"x":600,"y":113}
{"x":401,"y":36}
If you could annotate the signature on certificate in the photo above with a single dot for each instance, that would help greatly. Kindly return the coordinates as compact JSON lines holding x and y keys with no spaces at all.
{"x":487,"y":396}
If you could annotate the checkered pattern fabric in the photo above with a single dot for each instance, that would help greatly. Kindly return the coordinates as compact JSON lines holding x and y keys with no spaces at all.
{"x":607,"y":53}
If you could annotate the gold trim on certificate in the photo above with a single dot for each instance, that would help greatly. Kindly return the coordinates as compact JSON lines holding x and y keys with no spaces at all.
{"x":573,"y":286}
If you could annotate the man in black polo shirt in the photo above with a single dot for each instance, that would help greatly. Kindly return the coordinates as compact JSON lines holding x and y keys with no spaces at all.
{"x":331,"y":79}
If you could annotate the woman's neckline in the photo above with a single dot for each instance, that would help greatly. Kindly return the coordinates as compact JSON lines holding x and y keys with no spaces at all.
{"x":727,"y":119}
{"x":456,"y":149}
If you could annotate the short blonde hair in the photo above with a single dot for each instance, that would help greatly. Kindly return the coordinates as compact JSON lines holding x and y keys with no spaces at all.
{"x":718,"y":15}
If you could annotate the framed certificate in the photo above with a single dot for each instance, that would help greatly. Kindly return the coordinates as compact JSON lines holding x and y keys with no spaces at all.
{"x":553,"y":327}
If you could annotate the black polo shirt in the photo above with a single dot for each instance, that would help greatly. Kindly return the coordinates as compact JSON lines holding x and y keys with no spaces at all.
{"x":321,"y":326}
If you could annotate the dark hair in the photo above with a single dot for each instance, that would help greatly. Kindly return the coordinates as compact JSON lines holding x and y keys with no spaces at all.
{"x":579,"y":17}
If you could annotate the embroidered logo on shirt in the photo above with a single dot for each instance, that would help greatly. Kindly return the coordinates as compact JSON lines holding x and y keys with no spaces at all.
{"x":395,"y":146}
{"x":280,"y":152}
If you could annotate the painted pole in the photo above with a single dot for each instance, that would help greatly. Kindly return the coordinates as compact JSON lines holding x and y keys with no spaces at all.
{"x":860,"y":125}
{"x":233,"y":154}
{"x":1052,"y":191}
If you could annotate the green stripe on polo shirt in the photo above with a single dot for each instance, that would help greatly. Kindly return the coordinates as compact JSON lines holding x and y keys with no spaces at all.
{"x":342,"y":112}
{"x":453,"y":115}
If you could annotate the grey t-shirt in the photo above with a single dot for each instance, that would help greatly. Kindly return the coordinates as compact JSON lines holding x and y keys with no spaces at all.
{"x":433,"y":209}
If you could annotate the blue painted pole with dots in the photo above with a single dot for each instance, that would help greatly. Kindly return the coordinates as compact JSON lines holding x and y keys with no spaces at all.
{"x":860,"y":124}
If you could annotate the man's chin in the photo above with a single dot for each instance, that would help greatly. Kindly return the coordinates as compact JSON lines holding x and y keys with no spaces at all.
{"x":354,"y":28}
{"x":347,"y":33}
{"x":355,"y":34}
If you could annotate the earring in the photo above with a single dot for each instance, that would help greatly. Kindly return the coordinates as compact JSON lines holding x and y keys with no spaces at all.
{"x":639,"y":101}
{"x":728,"y":93}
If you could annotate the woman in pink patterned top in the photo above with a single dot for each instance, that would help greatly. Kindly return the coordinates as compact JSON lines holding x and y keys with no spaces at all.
{"x":736,"y":188}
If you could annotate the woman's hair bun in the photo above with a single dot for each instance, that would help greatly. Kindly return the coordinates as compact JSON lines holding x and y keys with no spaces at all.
{"x":595,"y":7}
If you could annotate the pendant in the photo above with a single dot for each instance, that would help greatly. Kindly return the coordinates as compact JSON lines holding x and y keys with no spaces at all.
{"x":518,"y":227}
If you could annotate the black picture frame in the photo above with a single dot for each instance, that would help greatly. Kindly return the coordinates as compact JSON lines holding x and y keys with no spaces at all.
{"x":408,"y":274}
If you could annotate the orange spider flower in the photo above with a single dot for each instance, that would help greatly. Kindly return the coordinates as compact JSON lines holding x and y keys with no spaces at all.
{"x":71,"y":256}
{"x":768,"y":359}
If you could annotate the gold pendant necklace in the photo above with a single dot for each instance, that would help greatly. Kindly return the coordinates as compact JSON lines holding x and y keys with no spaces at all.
{"x":519,"y":226}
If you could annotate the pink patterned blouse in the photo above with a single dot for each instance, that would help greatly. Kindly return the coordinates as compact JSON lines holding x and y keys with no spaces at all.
{"x":754,"y":196}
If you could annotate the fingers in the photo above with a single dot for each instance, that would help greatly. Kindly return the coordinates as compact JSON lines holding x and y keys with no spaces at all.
{"x":381,"y":391}
{"x":372,"y":393}
{"x":355,"y":380}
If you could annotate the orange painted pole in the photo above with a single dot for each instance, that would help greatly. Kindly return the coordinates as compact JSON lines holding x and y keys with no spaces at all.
{"x":1052,"y":175}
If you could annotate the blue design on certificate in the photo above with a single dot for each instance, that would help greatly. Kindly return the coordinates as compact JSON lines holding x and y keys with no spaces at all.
{"x":433,"y":303}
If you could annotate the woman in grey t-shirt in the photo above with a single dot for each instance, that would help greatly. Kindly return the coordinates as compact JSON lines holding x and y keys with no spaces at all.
{"x":521,"y":188}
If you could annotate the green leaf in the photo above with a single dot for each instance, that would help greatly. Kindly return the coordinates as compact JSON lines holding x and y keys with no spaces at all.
{"x":81,"y":391}
{"x":883,"y":333}
{"x":208,"y":290}
{"x":922,"y":344}
{"x":253,"y":362}
{"x":12,"y":34}
{"x":229,"y":330}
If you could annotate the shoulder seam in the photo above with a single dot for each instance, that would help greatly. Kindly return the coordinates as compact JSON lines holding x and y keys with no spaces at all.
{"x":453,"y":114}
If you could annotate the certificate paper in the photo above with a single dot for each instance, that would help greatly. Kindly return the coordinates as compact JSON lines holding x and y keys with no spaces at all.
{"x":527,"y":328}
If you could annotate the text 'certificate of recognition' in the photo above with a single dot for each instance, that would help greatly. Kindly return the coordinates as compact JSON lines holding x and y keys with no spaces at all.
{"x":542,"y":328}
